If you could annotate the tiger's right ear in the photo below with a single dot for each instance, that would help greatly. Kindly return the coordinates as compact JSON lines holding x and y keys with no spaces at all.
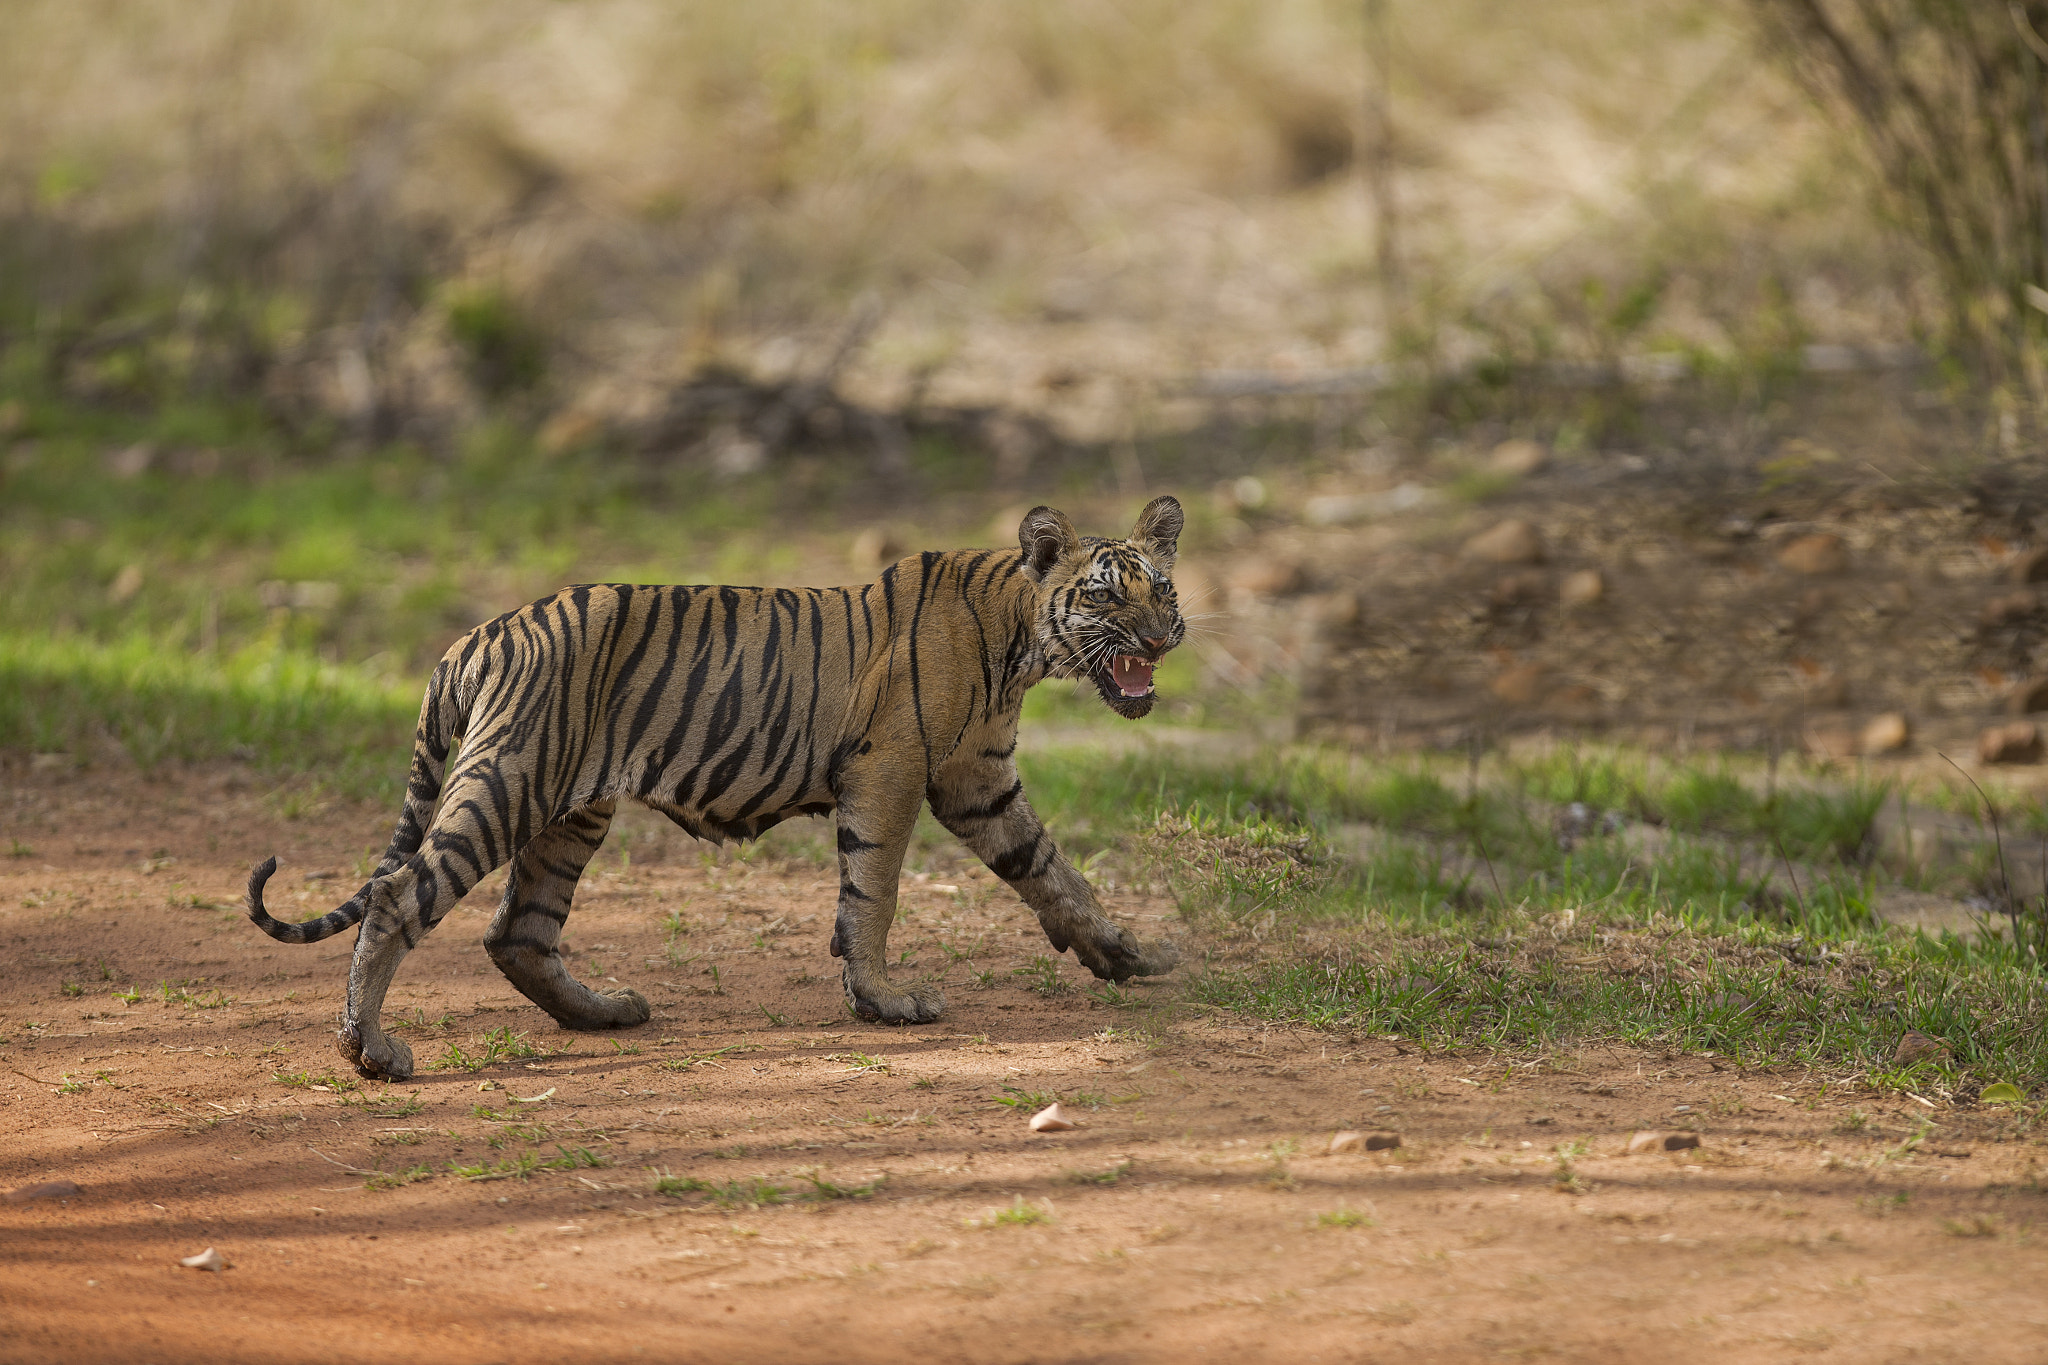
{"x":1046,"y":535}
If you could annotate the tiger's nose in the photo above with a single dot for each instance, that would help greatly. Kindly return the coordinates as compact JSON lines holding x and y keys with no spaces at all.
{"x":1155,"y":643}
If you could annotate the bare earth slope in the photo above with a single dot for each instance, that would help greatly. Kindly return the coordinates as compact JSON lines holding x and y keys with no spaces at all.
{"x":1195,"y":1214}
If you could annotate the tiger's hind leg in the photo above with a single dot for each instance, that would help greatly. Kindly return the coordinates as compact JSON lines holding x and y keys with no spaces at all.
{"x":525,"y":936}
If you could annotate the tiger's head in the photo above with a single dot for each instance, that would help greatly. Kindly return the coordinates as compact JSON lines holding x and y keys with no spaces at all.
{"x":1107,"y":610}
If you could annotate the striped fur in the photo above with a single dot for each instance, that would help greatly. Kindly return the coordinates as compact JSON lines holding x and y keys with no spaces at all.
{"x":732,"y":709}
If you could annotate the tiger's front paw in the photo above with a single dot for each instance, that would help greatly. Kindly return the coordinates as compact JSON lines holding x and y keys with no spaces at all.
{"x":881,"y":1002}
{"x":1124,"y":957}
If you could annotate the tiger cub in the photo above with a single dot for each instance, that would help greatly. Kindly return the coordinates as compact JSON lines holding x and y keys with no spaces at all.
{"x":731,"y":709}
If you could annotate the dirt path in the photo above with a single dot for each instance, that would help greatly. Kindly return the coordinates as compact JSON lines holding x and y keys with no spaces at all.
{"x":1195,"y":1215}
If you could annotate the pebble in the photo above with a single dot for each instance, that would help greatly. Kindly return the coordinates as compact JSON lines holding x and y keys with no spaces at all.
{"x":1052,"y":1119}
{"x":48,"y":1189}
{"x":1518,"y":457}
{"x":1513,"y":541}
{"x":1582,"y":588}
{"x":1915,"y":1046}
{"x":1887,"y":734}
{"x":1822,"y":553}
{"x":208,"y":1259}
{"x":2017,"y":742}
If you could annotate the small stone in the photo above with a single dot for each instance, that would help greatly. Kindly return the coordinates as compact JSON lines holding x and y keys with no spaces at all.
{"x":1347,"y":1141}
{"x":873,"y":550}
{"x":1513,"y":541}
{"x":2029,"y":697}
{"x":1518,"y":457}
{"x":48,"y":1189}
{"x":2031,"y":567}
{"x":1519,"y":684}
{"x":1915,"y":1046}
{"x":2017,"y":742}
{"x":1266,"y":576}
{"x":1582,"y":588}
{"x":208,"y":1259}
{"x":1822,"y":553}
{"x":1886,"y":734}
{"x":1053,"y":1119}
{"x":2009,"y":607}
{"x":1382,"y":1142}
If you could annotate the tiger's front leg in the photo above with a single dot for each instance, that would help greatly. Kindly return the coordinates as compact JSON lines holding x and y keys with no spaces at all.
{"x":981,"y":801}
{"x":875,"y":818}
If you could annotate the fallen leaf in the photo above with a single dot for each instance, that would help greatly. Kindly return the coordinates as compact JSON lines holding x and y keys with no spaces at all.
{"x":208,"y":1259}
{"x":1999,"y":1092}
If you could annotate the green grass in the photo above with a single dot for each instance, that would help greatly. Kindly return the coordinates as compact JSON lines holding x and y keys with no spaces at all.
{"x":287,"y":711}
{"x":497,"y":1045}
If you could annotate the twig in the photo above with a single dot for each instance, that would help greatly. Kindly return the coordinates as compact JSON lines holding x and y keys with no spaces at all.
{"x":2012,"y":911}
{"x":352,"y":1170}
{"x":38,"y":1080}
{"x":1798,"y":896}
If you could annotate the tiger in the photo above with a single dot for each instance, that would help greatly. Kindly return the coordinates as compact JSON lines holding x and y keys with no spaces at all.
{"x":731,"y":709}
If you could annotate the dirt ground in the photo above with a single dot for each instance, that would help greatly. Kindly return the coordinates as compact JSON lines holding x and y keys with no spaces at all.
{"x":1196,"y":1214}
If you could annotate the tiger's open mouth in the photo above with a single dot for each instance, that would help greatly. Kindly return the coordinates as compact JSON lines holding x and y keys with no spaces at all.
{"x":1125,"y":682}
{"x":1131,"y":674}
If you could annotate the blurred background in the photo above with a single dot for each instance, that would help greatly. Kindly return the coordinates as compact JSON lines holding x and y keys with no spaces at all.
{"x":1666,"y":370}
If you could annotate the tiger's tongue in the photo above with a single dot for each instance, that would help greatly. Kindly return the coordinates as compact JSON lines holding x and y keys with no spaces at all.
{"x":1132,"y":674}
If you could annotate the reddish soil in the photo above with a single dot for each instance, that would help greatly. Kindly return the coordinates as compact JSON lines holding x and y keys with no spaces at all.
{"x":1784,"y":1234}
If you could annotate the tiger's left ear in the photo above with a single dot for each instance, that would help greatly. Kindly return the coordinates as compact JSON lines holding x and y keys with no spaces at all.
{"x":1158,"y":530}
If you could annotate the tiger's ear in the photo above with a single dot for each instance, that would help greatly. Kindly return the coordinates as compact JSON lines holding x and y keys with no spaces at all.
{"x":1158,"y":530}
{"x":1046,"y":535}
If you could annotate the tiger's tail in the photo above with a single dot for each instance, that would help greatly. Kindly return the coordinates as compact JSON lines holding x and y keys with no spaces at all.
{"x":442,"y":719}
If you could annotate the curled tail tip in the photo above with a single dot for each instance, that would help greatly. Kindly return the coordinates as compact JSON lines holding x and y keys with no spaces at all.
{"x":253,"y":901}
